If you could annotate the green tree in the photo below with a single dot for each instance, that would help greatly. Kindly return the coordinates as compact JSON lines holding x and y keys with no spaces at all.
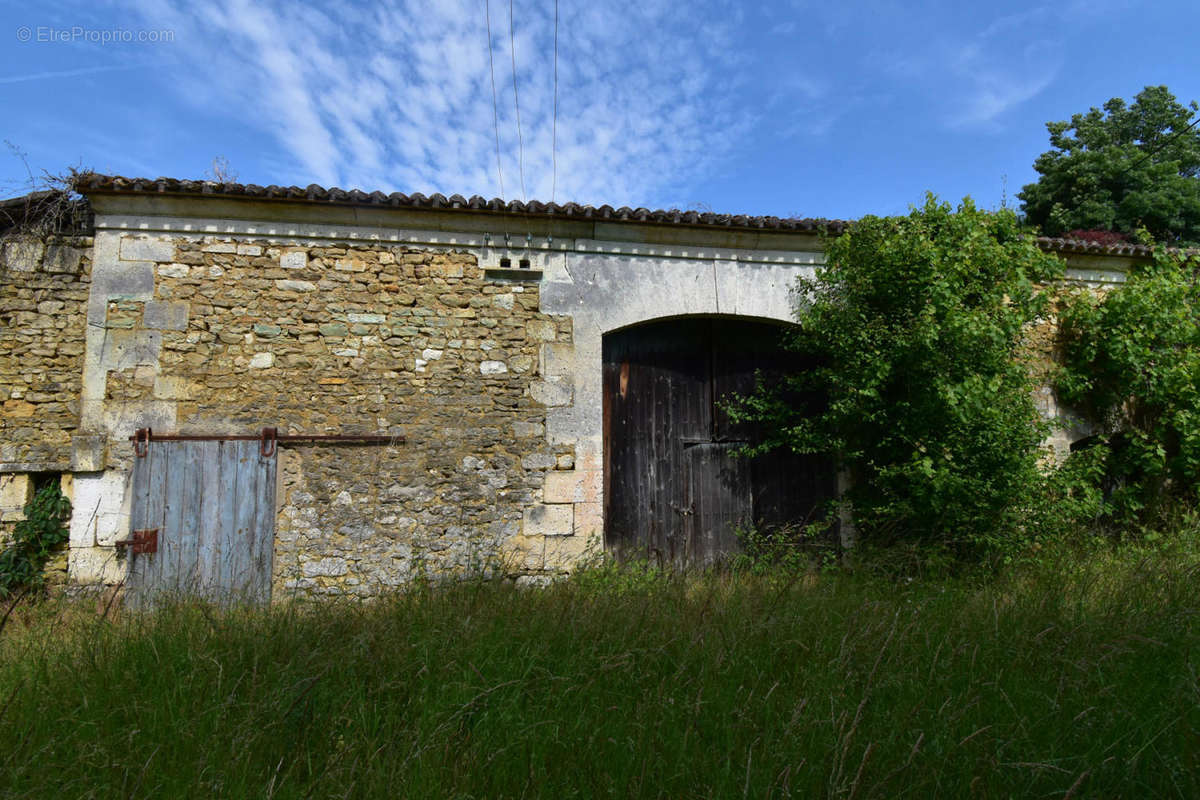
{"x":921,"y":326}
{"x":1131,"y":367}
{"x":1120,"y":169}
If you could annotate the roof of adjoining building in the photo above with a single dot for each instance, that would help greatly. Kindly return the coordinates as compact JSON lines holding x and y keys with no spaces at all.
{"x":95,"y":183}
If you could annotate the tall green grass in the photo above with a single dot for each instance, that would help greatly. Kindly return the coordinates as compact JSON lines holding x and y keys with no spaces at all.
{"x":1073,"y":679}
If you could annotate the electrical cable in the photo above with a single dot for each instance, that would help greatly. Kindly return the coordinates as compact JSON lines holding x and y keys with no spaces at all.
{"x":1163,"y":146}
{"x":495,"y":104}
{"x":512,"y":46}
{"x":554,"y":124}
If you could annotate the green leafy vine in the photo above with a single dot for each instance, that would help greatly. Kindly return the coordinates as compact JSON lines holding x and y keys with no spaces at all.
{"x":34,"y":539}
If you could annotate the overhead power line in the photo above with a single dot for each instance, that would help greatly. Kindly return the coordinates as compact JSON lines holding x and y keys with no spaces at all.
{"x":487,"y":14}
{"x":1163,"y":146}
{"x":554,"y":124}
{"x":512,"y":46}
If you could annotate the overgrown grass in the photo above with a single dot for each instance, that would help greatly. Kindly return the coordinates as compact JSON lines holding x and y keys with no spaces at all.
{"x":1076,"y":678}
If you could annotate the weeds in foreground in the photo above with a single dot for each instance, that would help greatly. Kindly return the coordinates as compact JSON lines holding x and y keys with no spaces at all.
{"x":1074,"y":678}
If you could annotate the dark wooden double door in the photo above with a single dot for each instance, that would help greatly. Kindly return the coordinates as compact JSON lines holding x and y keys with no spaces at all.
{"x":676,"y":489}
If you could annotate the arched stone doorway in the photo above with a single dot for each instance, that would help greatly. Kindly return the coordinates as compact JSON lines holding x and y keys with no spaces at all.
{"x":676,"y":491}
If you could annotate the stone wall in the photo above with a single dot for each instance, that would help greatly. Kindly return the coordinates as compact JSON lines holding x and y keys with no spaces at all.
{"x":177,"y":317}
{"x":322,"y":339}
{"x":16,"y":490}
{"x":43,"y":298}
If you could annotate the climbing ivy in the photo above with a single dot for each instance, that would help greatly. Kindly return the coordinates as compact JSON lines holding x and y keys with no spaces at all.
{"x":34,"y":538}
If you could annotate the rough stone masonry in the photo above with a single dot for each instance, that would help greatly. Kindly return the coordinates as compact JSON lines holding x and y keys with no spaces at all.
{"x":43,"y":302}
{"x":349,"y":339}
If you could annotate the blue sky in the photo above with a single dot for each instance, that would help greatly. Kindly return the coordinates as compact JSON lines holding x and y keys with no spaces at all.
{"x":827,"y":109}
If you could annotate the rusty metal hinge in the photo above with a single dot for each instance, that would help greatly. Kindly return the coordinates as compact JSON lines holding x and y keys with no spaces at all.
{"x":268,"y":443}
{"x":141,"y":541}
{"x":141,"y":442}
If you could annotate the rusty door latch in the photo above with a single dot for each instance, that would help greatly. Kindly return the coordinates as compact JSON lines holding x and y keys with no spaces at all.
{"x":141,"y":541}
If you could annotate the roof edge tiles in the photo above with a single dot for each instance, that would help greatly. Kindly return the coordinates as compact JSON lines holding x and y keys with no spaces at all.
{"x":95,"y":183}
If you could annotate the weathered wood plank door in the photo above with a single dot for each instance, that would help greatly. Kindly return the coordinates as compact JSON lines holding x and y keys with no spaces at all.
{"x":718,"y":495}
{"x":213,"y":505}
{"x":675,"y":490}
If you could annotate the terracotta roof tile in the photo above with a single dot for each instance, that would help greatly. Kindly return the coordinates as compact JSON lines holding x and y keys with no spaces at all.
{"x":93,"y":183}
{"x":1088,"y":247}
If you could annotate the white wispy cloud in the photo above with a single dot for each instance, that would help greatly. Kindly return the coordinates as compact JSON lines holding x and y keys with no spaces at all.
{"x":976,"y":77}
{"x":1005,"y":66}
{"x":999,"y":74}
{"x":64,"y":73}
{"x":398,"y":95}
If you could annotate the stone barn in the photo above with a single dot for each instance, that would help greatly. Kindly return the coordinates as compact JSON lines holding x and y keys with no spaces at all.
{"x":272,"y":392}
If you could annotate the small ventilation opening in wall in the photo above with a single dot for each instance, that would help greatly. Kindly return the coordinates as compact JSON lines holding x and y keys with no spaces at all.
{"x":40,"y":480}
{"x":524,"y":262}
{"x":506,"y":263}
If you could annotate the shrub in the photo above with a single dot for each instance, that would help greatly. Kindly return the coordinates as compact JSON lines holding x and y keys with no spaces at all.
{"x":921,"y":326}
{"x":1131,"y":369}
{"x":786,"y":548}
